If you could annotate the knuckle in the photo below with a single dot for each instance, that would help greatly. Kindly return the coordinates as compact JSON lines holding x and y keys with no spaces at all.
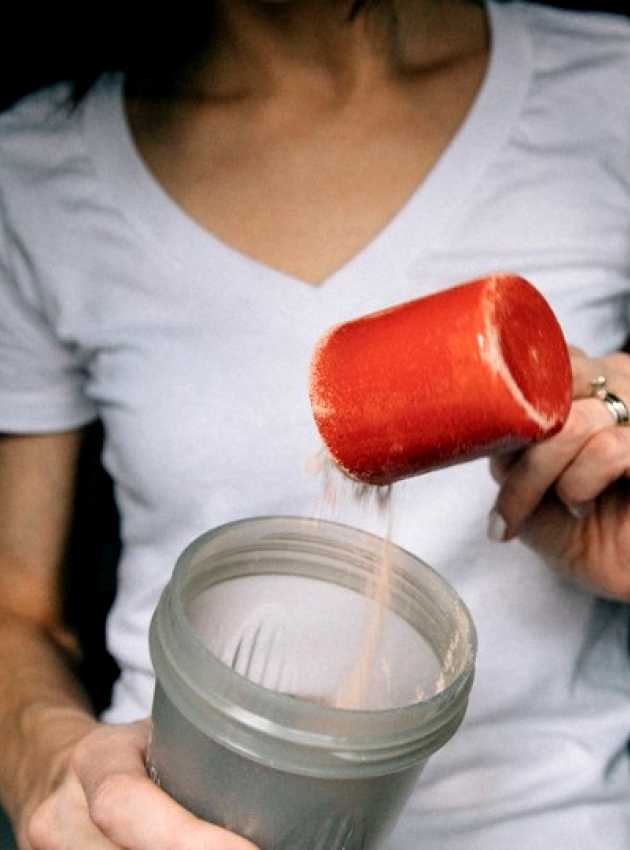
{"x":109,"y":797}
{"x":567,"y":492}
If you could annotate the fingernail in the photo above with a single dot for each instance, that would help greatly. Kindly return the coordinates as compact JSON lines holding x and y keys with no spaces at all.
{"x":497,"y":526}
{"x":582,"y":510}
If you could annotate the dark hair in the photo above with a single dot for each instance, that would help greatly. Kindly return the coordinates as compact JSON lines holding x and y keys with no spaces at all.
{"x":358,"y":5}
{"x":48,"y":49}
{"x":138,"y":43}
{"x":167,"y":46}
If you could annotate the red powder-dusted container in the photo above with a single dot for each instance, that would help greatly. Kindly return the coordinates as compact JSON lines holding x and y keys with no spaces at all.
{"x":472,"y":370}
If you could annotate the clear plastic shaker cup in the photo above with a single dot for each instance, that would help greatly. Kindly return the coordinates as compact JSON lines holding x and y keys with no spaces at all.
{"x":254,"y":640}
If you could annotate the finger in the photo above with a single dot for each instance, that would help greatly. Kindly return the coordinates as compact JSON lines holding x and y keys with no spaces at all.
{"x":137,"y":815}
{"x":540,"y":466}
{"x":604,"y":458}
{"x":129,"y":809}
{"x":591,"y":552}
{"x":553,"y":531}
{"x":501,"y":464}
{"x":614,"y":367}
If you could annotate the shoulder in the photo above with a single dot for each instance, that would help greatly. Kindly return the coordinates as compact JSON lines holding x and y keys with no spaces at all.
{"x":51,"y":197}
{"x":587,"y":24}
{"x":46,"y":172}
{"x":44,"y":158}
{"x":580,"y":41}
{"x":35,"y":132}
{"x":40,"y":146}
{"x":579,"y":66}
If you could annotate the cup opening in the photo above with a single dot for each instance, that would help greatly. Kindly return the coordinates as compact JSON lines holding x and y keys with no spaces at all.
{"x":291,"y":613}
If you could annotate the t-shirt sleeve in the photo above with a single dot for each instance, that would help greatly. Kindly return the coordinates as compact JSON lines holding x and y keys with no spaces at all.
{"x":41,"y":378}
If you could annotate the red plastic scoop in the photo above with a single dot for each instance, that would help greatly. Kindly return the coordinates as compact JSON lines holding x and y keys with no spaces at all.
{"x":472,"y":370}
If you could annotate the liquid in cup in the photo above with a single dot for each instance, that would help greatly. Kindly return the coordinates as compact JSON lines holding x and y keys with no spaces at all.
{"x":252,"y":639}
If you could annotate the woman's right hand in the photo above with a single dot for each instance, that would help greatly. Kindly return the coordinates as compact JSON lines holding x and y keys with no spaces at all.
{"x":103,"y":799}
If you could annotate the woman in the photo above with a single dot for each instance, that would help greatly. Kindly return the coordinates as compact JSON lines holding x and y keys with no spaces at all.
{"x":172,"y":249}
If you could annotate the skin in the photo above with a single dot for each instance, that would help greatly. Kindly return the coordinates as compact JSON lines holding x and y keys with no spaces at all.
{"x":272,"y":125}
{"x":272,"y":122}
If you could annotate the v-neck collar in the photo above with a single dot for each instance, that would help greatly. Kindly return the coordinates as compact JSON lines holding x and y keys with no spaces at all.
{"x":413,"y":230}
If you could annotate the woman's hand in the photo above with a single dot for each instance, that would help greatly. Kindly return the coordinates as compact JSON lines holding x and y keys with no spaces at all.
{"x":569,"y":496}
{"x":104,"y":800}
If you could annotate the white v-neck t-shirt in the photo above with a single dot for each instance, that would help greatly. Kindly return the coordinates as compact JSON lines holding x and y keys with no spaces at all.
{"x":114,"y":303}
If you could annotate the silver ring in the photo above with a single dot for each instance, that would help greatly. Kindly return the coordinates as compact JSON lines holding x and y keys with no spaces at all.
{"x":617,"y":408}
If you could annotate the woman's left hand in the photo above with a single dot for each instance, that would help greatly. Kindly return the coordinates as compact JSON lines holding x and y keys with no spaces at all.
{"x":569,"y":496}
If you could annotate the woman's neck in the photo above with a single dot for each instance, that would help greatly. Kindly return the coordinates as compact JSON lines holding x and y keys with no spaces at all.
{"x":267,"y":48}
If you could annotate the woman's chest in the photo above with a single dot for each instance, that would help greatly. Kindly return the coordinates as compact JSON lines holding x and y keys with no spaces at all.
{"x":305,"y":186}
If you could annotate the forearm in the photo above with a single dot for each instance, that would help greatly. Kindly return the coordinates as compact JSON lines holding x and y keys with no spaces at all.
{"x":68,"y":781}
{"x":43,"y":711}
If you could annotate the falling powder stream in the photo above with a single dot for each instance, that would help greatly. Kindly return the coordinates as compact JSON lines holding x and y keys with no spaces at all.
{"x":353,"y":692}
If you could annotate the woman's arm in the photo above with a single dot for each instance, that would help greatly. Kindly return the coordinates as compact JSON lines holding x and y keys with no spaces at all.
{"x":67,"y":781}
{"x":42,"y":707}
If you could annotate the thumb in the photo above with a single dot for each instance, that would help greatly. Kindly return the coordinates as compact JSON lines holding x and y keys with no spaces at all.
{"x":129,"y":809}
